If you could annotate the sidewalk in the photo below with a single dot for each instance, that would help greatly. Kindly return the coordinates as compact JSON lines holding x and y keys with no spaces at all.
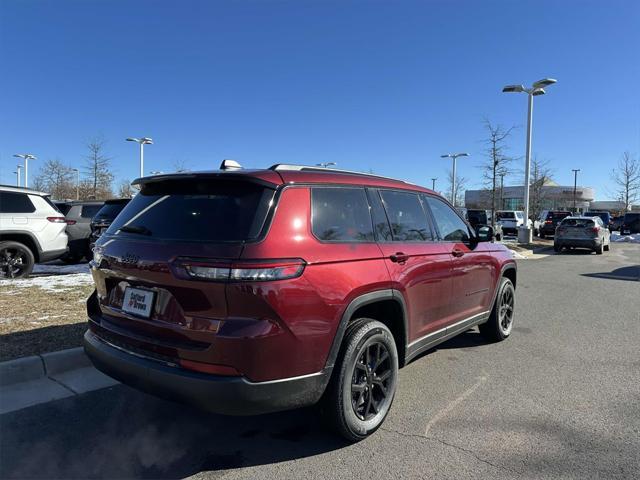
{"x":29,"y":381}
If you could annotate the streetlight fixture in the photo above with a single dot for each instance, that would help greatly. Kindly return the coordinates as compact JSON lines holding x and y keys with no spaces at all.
{"x":524,"y":234}
{"x":142,"y":141}
{"x":575,"y":186}
{"x":26,"y":157}
{"x":77,"y":182}
{"x":433,"y":184}
{"x":326,"y":165}
{"x":454,"y":157}
{"x":18,"y":172}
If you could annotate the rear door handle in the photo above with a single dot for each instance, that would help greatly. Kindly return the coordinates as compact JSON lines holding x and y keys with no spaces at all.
{"x":399,"y":257}
{"x":457,"y":252}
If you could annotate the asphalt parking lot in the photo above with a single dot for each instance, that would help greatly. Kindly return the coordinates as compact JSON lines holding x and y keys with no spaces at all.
{"x":559,"y":399}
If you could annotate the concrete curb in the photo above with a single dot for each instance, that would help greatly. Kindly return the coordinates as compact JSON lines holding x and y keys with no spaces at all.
{"x":42,"y":378}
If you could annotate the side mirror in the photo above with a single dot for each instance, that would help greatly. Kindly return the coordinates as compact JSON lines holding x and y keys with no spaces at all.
{"x":484,"y":233}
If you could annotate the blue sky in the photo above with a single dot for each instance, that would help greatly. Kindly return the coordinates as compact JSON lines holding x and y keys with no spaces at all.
{"x":387,"y":86}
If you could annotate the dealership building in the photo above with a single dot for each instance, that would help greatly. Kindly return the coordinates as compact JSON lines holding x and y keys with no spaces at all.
{"x":554,"y":197}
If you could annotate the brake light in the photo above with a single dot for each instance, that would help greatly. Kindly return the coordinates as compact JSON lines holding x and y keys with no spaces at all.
{"x":548,"y":221}
{"x":595,"y":229}
{"x":70,"y":222}
{"x":249,"y":271}
{"x":57,"y":219}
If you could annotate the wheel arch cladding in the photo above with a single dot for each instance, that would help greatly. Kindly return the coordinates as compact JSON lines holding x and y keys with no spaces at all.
{"x":386,"y":306}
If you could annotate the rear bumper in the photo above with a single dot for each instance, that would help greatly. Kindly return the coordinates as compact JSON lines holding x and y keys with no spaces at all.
{"x":579,"y":242}
{"x":51,"y":255}
{"x":215,"y":393}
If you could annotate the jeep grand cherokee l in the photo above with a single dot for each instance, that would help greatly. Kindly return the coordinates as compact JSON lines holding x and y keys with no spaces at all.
{"x":252,"y":291}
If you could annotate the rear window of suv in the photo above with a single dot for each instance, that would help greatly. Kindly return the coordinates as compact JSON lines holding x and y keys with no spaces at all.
{"x":197,"y":211}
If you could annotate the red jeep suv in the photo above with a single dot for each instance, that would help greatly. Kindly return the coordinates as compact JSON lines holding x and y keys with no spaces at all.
{"x":252,"y":291}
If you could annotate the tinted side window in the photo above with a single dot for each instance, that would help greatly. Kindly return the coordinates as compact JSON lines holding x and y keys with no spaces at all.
{"x":89,"y":211}
{"x":450,"y":225}
{"x":379,"y":217}
{"x":14,"y":202}
{"x":340,"y":215}
{"x":407,"y":218}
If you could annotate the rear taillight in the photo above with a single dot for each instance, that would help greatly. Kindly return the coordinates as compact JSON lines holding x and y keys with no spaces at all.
{"x":57,"y":219}
{"x":249,"y":271}
{"x":548,"y":221}
{"x":595,"y":229}
{"x":70,"y":222}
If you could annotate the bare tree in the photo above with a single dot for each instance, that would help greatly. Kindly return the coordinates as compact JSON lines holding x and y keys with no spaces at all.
{"x":126,"y":190}
{"x":56,"y":178}
{"x":627,"y":178}
{"x":497,"y":163}
{"x":97,"y":168}
{"x":180,"y":166}
{"x":461,"y":185}
{"x":540,"y":175}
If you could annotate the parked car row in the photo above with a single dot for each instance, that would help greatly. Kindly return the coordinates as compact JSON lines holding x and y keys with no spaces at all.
{"x":34,"y":229}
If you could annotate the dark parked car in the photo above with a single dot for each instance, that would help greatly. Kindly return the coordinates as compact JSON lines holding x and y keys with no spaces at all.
{"x":101,"y":221}
{"x":616,"y":223}
{"x":582,"y":232}
{"x":254,"y":291}
{"x":604,"y":216}
{"x":630,"y":223}
{"x":480,"y":218}
{"x":548,"y":227}
{"x":78,"y":215}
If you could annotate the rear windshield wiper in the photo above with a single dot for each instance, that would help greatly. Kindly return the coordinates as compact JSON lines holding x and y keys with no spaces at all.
{"x":135,"y":229}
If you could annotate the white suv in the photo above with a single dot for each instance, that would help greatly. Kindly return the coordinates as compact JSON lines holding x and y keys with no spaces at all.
{"x":32,"y":230}
{"x":511,"y":221}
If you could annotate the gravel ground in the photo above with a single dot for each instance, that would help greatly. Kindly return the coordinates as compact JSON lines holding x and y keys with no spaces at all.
{"x":45,"y":312}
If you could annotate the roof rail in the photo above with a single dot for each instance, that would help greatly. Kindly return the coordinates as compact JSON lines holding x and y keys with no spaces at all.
{"x":309,"y":168}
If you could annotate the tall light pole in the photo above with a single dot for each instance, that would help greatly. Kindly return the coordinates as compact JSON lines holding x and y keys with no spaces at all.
{"x":575,"y":186}
{"x":454,"y":157}
{"x":18,"y":172}
{"x":77,"y":182}
{"x":26,"y":157}
{"x":142,"y":141}
{"x":502,"y":190}
{"x":326,"y":165}
{"x":433,"y":184}
{"x":524,"y":234}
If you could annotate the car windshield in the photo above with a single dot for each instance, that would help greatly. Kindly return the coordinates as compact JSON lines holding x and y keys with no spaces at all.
{"x":110,"y":210}
{"x":577,"y":222}
{"x":505,"y":215}
{"x":197,"y":211}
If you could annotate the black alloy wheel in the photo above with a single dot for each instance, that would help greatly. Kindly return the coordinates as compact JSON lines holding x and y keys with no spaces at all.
{"x":16,"y":260}
{"x":369,"y":385}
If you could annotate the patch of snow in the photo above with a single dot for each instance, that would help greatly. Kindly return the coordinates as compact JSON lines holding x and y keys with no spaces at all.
{"x":60,"y":269}
{"x":517,"y":255}
{"x":616,"y":237}
{"x":52,"y":283}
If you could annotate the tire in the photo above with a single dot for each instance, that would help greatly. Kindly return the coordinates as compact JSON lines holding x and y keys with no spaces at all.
{"x":557,"y":248}
{"x":16,"y":260}
{"x":541,"y":235}
{"x":500,"y":323}
{"x":349,"y":404}
{"x":607,"y":247}
{"x":599,"y":249}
